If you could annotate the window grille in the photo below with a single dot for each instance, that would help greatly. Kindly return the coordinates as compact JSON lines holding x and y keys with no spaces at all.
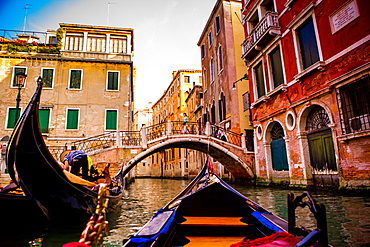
{"x":354,"y":106}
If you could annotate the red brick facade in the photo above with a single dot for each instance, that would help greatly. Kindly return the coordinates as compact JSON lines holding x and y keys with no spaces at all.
{"x":308,"y":64}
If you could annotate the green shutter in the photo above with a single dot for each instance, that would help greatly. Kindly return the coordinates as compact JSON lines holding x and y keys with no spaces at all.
{"x":112,"y":81}
{"x":44,"y":115}
{"x":12,"y":117}
{"x":111,"y":120}
{"x":47,"y":78}
{"x":72,"y":119}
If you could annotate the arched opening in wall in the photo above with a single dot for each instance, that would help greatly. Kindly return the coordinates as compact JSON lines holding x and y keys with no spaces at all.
{"x":213,"y":112}
{"x":278,"y":148}
{"x":222,"y":107}
{"x":321,"y":147}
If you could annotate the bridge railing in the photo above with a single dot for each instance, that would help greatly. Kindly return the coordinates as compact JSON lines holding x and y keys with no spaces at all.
{"x":226,"y":135}
{"x":136,"y":138}
{"x":155,"y":131}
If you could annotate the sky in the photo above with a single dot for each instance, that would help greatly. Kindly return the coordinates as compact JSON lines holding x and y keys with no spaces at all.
{"x":166,"y":31}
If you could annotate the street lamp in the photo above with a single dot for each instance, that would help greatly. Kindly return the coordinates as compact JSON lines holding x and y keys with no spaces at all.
{"x":20,"y":80}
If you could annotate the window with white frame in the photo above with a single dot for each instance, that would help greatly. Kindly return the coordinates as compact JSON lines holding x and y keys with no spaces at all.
{"x":18,"y":70}
{"x":260,"y":80}
{"x":72,"y":119}
{"x":111,"y":119}
{"x":44,"y":119}
{"x":202,"y":51}
{"x":47,"y":75}
{"x":75,"y":79}
{"x":113,"y":80}
{"x":276,"y":67}
{"x":308,"y":47}
{"x":12,"y":117}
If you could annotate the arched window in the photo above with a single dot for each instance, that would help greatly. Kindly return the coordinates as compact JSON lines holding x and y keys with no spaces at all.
{"x":220,"y":58}
{"x":222,"y":107}
{"x":213,"y":112}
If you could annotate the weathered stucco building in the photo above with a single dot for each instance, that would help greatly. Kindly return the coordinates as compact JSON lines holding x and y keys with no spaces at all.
{"x":223,"y":68}
{"x":308,"y":64}
{"x":88,"y":81}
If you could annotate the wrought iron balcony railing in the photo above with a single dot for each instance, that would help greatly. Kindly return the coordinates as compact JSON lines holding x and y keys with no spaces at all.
{"x":264,"y":31}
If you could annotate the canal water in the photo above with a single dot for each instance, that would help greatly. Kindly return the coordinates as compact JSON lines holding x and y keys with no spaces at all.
{"x":348,"y":216}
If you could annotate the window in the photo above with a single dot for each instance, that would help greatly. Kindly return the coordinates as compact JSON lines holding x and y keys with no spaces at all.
{"x":220,"y":58}
{"x":212,"y":70}
{"x":307,"y":43}
{"x":276,"y":67}
{"x":72,"y":119}
{"x":113,"y":80}
{"x":210,"y":39}
{"x":218,"y":24}
{"x":47,"y":78}
{"x":202,"y":51}
{"x":44,"y":118}
{"x":355,"y":106}
{"x":186,"y":79}
{"x":246,"y":101}
{"x":17,"y":70}
{"x":222,"y":107}
{"x":13,"y":116}
{"x":111,"y":120}
{"x":260,"y":82}
{"x":75,"y":78}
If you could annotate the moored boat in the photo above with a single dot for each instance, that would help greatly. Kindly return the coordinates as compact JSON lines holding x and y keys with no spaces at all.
{"x":211,"y":213}
{"x":42,"y":178}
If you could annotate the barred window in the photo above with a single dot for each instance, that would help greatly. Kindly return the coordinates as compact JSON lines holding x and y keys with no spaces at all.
{"x":355,"y":106}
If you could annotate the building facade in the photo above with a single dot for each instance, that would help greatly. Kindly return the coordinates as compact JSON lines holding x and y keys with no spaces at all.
{"x":223,"y":70}
{"x":171,"y":106}
{"x":308,"y":66}
{"x":87,"y":74}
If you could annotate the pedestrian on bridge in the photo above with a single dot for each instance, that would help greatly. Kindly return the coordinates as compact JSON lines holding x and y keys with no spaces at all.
{"x":185,"y":124}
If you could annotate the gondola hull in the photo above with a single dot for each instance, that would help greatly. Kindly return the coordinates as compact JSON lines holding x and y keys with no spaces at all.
{"x":40,"y":175}
{"x":211,"y":213}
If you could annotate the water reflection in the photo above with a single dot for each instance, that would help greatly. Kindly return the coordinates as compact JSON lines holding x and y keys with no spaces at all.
{"x":347,"y":216}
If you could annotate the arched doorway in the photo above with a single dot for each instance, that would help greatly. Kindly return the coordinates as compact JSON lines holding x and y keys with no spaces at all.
{"x":278,"y":148}
{"x":321,"y":146}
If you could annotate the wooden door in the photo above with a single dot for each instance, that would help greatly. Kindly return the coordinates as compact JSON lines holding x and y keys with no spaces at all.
{"x":279,"y":155}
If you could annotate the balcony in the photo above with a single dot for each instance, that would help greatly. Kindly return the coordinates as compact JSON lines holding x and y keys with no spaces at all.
{"x":261,"y":35}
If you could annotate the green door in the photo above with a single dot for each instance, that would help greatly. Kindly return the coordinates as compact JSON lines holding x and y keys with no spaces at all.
{"x":279,"y":157}
{"x":322,"y":152}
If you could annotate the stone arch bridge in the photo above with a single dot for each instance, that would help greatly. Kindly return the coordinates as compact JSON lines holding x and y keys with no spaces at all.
{"x":227,"y":147}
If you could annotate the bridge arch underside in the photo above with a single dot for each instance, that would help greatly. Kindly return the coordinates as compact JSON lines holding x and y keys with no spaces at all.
{"x":236,"y":166}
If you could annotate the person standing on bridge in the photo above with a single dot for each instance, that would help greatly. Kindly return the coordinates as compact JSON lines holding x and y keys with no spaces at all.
{"x":185,"y":124}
